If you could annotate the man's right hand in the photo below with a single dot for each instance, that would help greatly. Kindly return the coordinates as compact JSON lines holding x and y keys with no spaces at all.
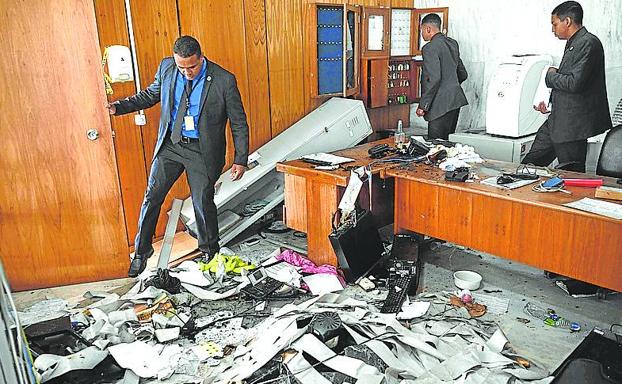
{"x":541,"y":107}
{"x":111,"y":108}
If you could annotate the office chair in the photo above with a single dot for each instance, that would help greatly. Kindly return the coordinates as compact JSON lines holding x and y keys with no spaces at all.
{"x":609,"y":152}
{"x":610,"y":158}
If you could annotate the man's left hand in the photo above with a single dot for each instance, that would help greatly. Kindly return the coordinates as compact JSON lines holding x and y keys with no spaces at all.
{"x":552,"y":70}
{"x":237,"y":171}
{"x":420,"y":112}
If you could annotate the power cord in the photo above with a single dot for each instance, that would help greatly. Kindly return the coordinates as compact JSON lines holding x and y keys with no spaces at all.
{"x":540,"y":188}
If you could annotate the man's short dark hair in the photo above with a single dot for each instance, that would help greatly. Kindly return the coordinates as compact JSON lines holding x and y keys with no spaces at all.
{"x":432,"y":18}
{"x":570,"y":9}
{"x":187,"y":46}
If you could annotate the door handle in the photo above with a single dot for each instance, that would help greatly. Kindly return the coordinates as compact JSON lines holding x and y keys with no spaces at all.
{"x":92,"y":134}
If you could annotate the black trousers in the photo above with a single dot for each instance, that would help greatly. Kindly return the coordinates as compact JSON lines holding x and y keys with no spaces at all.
{"x":168,"y":165}
{"x":570,"y":155}
{"x":442,"y":127}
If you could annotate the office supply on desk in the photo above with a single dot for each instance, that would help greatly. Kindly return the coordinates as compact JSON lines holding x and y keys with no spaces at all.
{"x":492,"y":181}
{"x":458,"y":174}
{"x":611,"y":193}
{"x":598,"y":207}
{"x":326,"y":159}
{"x":589,"y":183}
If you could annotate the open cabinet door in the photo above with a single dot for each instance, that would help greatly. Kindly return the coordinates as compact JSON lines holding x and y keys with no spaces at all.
{"x":61,"y":217}
{"x":419,"y":14}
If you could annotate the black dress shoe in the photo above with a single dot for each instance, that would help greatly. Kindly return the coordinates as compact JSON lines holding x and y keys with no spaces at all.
{"x":137,"y":265}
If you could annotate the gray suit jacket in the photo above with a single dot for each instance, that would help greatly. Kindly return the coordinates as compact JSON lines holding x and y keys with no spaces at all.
{"x":443,"y":72}
{"x":220,"y":101}
{"x":579,"y":96}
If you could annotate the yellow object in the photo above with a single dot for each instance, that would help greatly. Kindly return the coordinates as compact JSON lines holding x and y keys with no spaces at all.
{"x":107,"y":79}
{"x":231,"y":263}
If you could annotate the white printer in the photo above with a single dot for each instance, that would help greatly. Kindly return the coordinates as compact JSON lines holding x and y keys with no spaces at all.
{"x":509,"y":105}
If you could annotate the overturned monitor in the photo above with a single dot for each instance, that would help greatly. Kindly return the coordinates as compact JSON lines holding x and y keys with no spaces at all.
{"x":337,"y":124}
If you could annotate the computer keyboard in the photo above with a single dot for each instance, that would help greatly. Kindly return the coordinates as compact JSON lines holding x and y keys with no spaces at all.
{"x":263,"y":288}
{"x":398,"y":289}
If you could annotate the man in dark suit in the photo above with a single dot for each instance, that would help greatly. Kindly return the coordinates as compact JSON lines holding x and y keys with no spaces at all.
{"x":197,"y":98}
{"x":579,"y":96}
{"x":443,"y":72}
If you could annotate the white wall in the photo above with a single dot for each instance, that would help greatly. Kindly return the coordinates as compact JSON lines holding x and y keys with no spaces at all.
{"x":488,"y":31}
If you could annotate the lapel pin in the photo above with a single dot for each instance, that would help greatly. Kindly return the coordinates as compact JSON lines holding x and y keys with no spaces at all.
{"x":209,"y":78}
{"x":570,"y":48}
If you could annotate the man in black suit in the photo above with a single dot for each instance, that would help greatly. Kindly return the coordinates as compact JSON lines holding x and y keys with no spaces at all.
{"x":579,"y":96}
{"x":443,"y":72}
{"x":197,"y":98}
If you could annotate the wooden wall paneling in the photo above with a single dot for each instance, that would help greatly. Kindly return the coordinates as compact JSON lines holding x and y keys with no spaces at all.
{"x":402,"y":3}
{"x":128,"y":142}
{"x":258,"y":108}
{"x":60,"y":204}
{"x":286,"y":53}
{"x":219,"y":26}
{"x":155,"y":30}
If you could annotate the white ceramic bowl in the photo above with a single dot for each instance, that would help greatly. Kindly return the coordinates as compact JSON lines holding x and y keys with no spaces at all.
{"x":467,"y":280}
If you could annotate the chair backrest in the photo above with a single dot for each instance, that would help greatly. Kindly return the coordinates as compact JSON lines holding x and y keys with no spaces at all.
{"x":610,"y":159}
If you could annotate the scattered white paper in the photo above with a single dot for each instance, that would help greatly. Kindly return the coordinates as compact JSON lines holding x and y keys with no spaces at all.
{"x":492,"y":181}
{"x":285,"y":273}
{"x":328,"y":157}
{"x":144,"y":359}
{"x":189,"y":272}
{"x":322,"y":283}
{"x":44,"y":310}
{"x":351,"y":194}
{"x":598,"y":207}
{"x":204,"y":294}
{"x":51,"y":366}
{"x":494,"y":304}
{"x":167,"y":334}
{"x":413,"y":309}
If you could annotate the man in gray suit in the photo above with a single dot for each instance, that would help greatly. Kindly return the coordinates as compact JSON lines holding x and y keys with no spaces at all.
{"x":197,"y":98}
{"x":579,"y":96}
{"x":443,"y":72}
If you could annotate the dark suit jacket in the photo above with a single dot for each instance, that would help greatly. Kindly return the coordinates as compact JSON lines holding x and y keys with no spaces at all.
{"x":579,"y":96}
{"x":220,"y":100}
{"x":443,"y":72}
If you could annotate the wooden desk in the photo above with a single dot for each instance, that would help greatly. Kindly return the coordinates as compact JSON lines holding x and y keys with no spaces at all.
{"x":522,"y":225}
{"x":312,"y":197}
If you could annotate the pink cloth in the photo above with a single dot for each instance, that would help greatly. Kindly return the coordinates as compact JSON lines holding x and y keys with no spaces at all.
{"x":309,"y":266}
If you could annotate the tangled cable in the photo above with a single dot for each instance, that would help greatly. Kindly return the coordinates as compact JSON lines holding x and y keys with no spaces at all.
{"x":164,"y":280}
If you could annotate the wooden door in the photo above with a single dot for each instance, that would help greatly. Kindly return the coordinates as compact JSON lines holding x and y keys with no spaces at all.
{"x":378,"y":89}
{"x":61,"y":218}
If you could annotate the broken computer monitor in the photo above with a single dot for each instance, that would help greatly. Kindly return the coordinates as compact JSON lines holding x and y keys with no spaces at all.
{"x":358,"y":246}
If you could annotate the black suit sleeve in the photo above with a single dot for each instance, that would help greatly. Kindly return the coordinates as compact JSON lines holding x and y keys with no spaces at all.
{"x":431,"y":76}
{"x":578,"y":77}
{"x":144,"y":99}
{"x":237,"y":120}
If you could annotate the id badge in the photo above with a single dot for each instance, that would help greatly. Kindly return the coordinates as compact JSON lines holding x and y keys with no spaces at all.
{"x":189,"y":122}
